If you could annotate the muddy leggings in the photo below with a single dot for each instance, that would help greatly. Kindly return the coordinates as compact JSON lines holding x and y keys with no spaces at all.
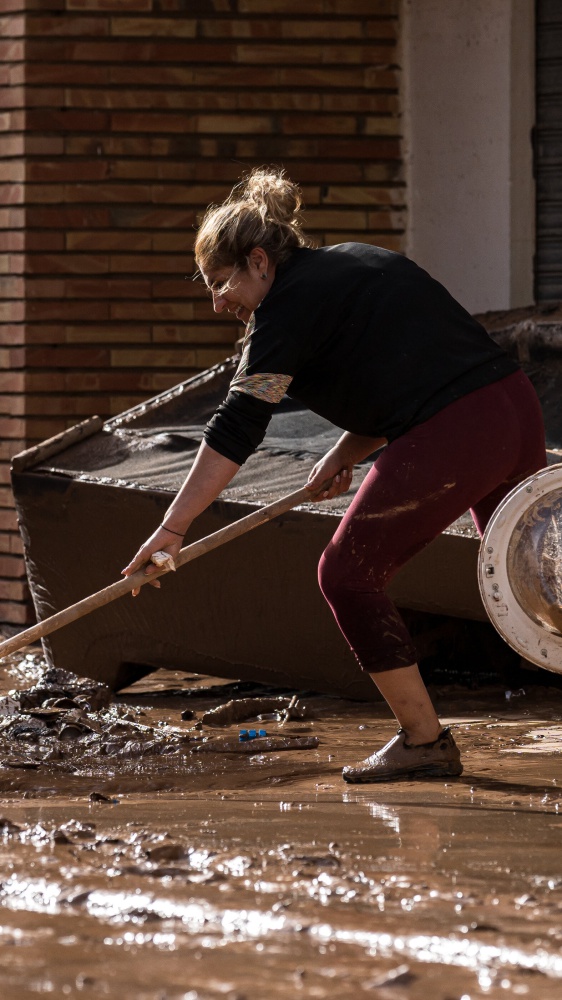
{"x":468,"y":456}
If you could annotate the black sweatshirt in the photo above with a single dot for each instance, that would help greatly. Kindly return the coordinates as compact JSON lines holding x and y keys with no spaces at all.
{"x":360,"y":335}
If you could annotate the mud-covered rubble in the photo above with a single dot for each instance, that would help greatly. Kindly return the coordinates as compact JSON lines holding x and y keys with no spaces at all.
{"x":70,"y":725}
{"x":65,"y":721}
{"x":278,"y":709}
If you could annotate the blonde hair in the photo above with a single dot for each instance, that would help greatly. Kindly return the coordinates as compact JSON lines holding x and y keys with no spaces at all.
{"x":261,"y":211}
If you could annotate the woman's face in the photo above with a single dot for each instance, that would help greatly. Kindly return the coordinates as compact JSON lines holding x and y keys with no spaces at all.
{"x":241,"y":290}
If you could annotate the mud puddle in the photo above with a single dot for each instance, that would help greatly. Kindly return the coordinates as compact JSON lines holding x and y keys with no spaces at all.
{"x":159,"y":872}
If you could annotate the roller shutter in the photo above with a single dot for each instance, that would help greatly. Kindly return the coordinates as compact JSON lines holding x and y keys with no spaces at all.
{"x":548,"y":150}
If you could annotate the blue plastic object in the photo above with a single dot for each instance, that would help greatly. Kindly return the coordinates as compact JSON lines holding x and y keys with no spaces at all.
{"x":250,"y":734}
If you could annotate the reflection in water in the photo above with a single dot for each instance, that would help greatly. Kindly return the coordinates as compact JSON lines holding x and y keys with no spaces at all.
{"x":212,"y":877}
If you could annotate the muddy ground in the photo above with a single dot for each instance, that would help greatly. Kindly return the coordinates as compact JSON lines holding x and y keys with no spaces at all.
{"x":142,"y":857}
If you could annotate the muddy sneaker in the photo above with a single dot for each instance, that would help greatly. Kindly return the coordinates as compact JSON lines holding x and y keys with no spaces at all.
{"x":440,"y":759}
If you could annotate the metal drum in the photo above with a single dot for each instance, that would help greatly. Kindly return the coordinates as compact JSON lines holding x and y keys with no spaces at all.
{"x":520,"y":569}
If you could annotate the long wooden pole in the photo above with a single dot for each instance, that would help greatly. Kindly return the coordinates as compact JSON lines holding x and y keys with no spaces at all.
{"x":138,"y":579}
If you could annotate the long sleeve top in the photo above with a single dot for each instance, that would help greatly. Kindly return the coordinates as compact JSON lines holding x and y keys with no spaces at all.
{"x":360,"y":335}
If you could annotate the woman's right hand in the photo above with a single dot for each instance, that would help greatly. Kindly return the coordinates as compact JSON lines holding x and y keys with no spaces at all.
{"x":159,"y":541}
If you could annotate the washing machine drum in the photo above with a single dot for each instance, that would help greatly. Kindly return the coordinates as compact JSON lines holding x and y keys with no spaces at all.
{"x":520,"y":569}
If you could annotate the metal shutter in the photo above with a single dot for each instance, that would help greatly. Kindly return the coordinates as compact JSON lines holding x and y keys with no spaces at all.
{"x":548,"y":151}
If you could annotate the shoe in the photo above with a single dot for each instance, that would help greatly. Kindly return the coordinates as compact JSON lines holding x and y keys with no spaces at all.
{"x":440,"y":759}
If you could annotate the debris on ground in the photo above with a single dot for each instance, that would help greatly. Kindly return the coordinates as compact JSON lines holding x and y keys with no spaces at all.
{"x":262,"y":744}
{"x":262,"y":709}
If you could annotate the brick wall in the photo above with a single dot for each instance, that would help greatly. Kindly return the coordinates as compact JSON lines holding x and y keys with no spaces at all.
{"x":121,"y":121}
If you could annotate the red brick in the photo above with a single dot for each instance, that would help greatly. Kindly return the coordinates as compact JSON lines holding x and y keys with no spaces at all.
{"x":61,"y":406}
{"x":12,"y":427}
{"x":227,"y":334}
{"x":128,"y":122}
{"x":11,"y":288}
{"x":66,"y":263}
{"x":42,"y":333}
{"x":285,"y":28}
{"x":337,"y":194}
{"x":11,"y":51}
{"x":12,"y":381}
{"x":202,"y":357}
{"x":109,"y":240}
{"x":67,"y":218}
{"x":93,"y":288}
{"x":71,"y":170}
{"x":116,"y":146}
{"x":155,"y":263}
{"x":60,"y":26}
{"x":41,"y":429}
{"x":44,"y":193}
{"x":382,"y":8}
{"x":151,"y":311}
{"x":107,"y":333}
{"x":11,"y":97}
{"x":12,"y":312}
{"x":43,"y":145}
{"x":16,"y":544}
{"x":9,"y":542}
{"x":44,"y":241}
{"x":13,"y":334}
{"x":12,"y":145}
{"x":152,"y":27}
{"x":12,"y":590}
{"x":119,"y":193}
{"x":44,"y":97}
{"x":110,"y":5}
{"x":14,"y":263}
{"x":11,"y":194}
{"x":364,"y":149}
{"x":79,"y":357}
{"x":319,"y":124}
{"x":85,"y":120}
{"x":11,"y":566}
{"x":283,"y":55}
{"x":351,"y":101}
{"x":10,"y":448}
{"x":45,"y":382}
{"x":65,"y":73}
{"x":40,"y":309}
{"x":15,"y":614}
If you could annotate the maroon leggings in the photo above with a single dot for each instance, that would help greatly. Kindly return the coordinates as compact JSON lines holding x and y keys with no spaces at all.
{"x":469,"y":455}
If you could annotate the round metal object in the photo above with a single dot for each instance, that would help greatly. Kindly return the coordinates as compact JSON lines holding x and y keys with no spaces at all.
{"x":520,"y":569}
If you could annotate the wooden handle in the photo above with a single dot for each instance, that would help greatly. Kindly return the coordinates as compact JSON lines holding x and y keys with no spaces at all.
{"x":138,"y":579}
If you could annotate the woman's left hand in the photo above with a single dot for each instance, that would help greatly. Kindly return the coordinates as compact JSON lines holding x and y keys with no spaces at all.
{"x":330,"y":470}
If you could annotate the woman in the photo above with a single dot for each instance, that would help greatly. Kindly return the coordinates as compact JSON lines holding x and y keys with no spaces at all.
{"x":370,"y":341}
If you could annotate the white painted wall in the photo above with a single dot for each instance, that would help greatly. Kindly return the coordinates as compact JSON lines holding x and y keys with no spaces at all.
{"x":469,"y":110}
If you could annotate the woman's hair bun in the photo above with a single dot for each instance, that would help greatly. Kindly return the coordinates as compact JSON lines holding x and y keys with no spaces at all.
{"x":275,"y":196}
{"x":262,"y":210}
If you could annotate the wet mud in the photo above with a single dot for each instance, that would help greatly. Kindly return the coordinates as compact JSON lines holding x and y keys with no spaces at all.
{"x":133,"y":864}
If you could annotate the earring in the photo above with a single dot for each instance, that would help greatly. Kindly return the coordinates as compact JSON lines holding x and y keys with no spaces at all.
{"x":264,"y":276}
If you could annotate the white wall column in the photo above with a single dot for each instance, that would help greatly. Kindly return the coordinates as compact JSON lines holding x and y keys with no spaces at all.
{"x":469,"y":108}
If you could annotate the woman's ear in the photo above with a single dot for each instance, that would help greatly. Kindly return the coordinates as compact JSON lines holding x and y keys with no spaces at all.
{"x":259,"y":260}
